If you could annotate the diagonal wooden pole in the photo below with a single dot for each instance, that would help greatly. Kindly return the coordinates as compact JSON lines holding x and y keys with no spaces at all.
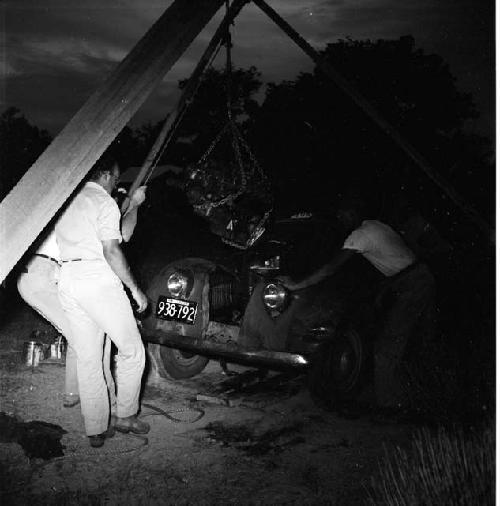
{"x":375,"y":115}
{"x":172,"y":120}
{"x":46,"y":186}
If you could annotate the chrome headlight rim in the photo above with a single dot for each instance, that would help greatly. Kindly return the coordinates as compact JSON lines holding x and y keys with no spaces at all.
{"x":180,"y":283}
{"x":275,"y":296}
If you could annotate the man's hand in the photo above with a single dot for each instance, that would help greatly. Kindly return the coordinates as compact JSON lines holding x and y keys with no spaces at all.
{"x":129,"y":217}
{"x":140,"y":299}
{"x":138,"y":197}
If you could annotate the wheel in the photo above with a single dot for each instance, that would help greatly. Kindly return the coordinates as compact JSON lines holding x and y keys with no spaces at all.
{"x":176,"y":364}
{"x":337,"y":369}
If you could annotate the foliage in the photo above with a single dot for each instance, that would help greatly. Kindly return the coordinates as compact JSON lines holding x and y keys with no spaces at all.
{"x":319,"y":142}
{"x":206,"y":115}
{"x":312,"y":139}
{"x":129,"y":148}
{"x":208,"y":112}
{"x":22,"y":143}
{"x":443,"y":467}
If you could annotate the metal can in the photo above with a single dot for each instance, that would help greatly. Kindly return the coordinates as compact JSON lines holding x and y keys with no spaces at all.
{"x":32,"y":353}
{"x":61,"y":347}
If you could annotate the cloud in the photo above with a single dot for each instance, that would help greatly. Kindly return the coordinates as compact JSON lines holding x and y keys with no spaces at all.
{"x":62,"y":50}
{"x":66,"y":47}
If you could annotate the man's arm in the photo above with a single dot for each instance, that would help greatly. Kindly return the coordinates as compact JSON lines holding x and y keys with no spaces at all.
{"x":129,"y":218}
{"x":322,"y":273}
{"x":129,"y":221}
{"x":118,"y":263}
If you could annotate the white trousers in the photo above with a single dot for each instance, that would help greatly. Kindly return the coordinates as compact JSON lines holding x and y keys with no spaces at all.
{"x":38,"y":288}
{"x":95,"y":303}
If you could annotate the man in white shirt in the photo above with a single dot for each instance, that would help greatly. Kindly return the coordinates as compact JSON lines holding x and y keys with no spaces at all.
{"x":91,"y":292}
{"x":405,"y":298}
{"x":37,"y":285}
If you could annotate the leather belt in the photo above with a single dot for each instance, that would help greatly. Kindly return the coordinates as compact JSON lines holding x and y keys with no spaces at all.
{"x":47,"y":257}
{"x":81,"y":260}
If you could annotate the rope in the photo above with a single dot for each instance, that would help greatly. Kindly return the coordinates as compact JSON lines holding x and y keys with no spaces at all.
{"x":159,"y":411}
{"x":100,"y":453}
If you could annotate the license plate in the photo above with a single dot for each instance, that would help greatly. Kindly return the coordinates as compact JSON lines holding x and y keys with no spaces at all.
{"x":176,"y":310}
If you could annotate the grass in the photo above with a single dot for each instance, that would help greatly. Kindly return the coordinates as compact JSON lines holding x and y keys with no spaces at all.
{"x":443,"y":467}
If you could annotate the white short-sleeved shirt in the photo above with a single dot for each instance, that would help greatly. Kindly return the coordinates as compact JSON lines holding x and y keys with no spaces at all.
{"x":381,"y":246}
{"x":49,"y":247}
{"x":92,"y":216}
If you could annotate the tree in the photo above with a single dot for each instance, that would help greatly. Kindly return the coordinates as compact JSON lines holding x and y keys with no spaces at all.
{"x":205,"y":117}
{"x":128,"y":148}
{"x":21,"y":144}
{"x":208,"y":113}
{"x":319,"y":142}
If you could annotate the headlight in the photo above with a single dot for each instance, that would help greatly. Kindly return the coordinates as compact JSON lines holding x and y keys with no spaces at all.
{"x":274,"y":296}
{"x":180,"y":284}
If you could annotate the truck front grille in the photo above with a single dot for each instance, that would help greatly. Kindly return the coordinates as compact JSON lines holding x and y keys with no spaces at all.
{"x":225,"y":296}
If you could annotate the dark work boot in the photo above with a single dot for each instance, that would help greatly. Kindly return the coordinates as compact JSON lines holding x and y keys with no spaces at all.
{"x":131,"y":424}
{"x":97,"y":440}
{"x":70,"y":400}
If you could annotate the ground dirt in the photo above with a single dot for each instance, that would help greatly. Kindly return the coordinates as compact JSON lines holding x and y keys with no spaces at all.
{"x":270,"y":445}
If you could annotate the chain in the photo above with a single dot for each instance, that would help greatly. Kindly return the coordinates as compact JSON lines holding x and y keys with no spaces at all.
{"x":247,"y":163}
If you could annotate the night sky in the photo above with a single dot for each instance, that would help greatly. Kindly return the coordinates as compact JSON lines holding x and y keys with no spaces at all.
{"x":56,"y":52}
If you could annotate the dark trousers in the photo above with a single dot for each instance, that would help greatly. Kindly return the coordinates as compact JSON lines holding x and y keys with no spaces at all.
{"x":407,"y":303}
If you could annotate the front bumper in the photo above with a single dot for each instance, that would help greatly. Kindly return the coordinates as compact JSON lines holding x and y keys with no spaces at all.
{"x":228,"y":350}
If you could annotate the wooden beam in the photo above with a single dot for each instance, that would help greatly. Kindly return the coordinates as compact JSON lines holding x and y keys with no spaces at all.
{"x":46,"y":186}
{"x":374,"y":114}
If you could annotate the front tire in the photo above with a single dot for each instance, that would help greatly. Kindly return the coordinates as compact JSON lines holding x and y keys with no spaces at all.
{"x":172,"y":363}
{"x":337,"y":370}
